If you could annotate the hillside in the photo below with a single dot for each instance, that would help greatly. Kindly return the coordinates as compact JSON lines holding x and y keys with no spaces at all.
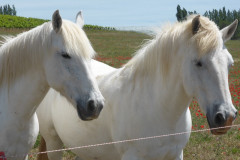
{"x":7,"y":21}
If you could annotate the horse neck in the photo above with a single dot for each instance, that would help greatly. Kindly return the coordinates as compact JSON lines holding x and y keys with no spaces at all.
{"x":163,"y":92}
{"x":23,"y":96}
{"x":166,"y":96}
{"x":24,"y":84}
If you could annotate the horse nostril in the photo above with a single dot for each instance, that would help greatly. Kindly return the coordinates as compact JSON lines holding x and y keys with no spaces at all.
{"x":219,"y":119}
{"x":91,"y":106}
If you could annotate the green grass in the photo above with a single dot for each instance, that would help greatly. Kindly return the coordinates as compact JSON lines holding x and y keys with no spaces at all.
{"x":203,"y":145}
{"x":115,"y":43}
{"x":114,"y":46}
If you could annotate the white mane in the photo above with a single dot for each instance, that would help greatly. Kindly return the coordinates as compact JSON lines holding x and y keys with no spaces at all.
{"x":158,"y":51}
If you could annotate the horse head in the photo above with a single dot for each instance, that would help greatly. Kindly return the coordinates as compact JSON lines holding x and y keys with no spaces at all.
{"x":67,"y":67}
{"x":206,"y":69}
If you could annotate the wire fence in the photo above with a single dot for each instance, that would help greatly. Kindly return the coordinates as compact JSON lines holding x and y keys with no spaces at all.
{"x":3,"y":157}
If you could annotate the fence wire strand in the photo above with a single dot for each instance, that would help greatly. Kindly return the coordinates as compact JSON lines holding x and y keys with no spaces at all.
{"x":123,"y":141}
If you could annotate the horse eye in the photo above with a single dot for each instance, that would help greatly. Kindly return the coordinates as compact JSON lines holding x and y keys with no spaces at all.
{"x":198,"y":63}
{"x":65,"y":55}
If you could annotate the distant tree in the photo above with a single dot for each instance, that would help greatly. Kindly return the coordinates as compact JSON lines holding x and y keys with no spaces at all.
{"x":179,"y":13}
{"x":229,"y":16}
{"x":183,"y":13}
{"x":194,"y":12}
{"x":224,"y":14}
{"x":206,"y":14}
{"x":8,"y":10}
{"x":1,"y":10}
{"x":5,"y":9}
{"x":14,"y":12}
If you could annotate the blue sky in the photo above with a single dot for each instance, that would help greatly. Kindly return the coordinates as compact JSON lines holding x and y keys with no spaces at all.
{"x":117,"y":13}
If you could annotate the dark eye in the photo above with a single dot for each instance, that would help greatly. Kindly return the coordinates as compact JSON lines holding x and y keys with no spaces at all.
{"x":65,"y":55}
{"x":198,"y":63}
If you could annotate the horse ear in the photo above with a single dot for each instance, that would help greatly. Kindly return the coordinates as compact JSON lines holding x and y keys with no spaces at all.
{"x":196,"y":24}
{"x":228,"y":31}
{"x":79,"y":19}
{"x":56,"y":21}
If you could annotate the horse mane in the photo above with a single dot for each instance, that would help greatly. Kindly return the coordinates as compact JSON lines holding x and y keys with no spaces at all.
{"x":19,"y":54}
{"x":156,"y":54}
{"x":24,"y":52}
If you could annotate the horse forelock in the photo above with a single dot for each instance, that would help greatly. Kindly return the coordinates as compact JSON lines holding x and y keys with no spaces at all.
{"x":76,"y":40}
{"x":207,"y":37}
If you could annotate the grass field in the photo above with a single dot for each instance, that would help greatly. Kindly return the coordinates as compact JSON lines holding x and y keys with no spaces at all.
{"x":112,"y":45}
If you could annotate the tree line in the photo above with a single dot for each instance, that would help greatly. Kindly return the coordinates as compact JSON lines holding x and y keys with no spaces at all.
{"x":8,"y":10}
{"x":221,"y":17}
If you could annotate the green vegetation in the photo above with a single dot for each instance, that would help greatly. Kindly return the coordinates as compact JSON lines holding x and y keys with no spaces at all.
{"x":8,"y":21}
{"x":96,"y":27}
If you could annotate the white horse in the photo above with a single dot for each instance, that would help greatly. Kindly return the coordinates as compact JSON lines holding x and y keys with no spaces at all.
{"x":150,"y":96}
{"x":55,"y":54}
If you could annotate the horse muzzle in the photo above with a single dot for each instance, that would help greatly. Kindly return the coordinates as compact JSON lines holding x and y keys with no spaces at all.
{"x":89,"y":111}
{"x":221,"y":122}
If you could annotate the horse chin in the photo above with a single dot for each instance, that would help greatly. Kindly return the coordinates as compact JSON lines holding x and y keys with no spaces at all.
{"x":220,"y":131}
{"x":84,"y":116}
